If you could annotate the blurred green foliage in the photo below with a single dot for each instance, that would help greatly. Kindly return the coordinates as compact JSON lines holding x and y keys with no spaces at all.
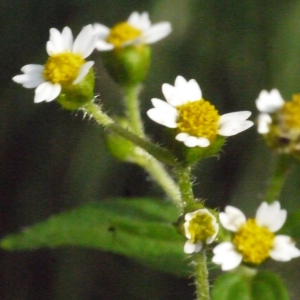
{"x":52,"y":160}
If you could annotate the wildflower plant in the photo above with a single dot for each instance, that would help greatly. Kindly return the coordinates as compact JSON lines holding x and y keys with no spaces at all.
{"x":195,"y":126}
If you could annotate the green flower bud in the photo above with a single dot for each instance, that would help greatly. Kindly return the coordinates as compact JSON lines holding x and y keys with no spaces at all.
{"x":128,"y":65}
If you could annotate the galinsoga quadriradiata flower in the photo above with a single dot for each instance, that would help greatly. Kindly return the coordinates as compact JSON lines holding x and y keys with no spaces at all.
{"x":197,"y":121}
{"x":253,"y":240}
{"x":279,"y":121}
{"x":65,"y":66}
{"x":200,"y":228}
{"x":136,"y":30}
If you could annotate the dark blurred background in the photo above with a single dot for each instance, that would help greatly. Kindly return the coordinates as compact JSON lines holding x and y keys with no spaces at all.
{"x":52,"y":160}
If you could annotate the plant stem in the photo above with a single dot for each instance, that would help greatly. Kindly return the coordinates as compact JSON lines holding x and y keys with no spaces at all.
{"x":142,"y":158}
{"x":278,"y":178}
{"x":133,"y":109}
{"x":159,"y":153}
{"x":201,"y":276}
{"x":159,"y":174}
{"x":185,"y":185}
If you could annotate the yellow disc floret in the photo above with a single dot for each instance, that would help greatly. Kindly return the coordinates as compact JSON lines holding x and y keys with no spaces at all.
{"x":63,"y":67}
{"x":122,"y":33}
{"x":290,"y":113}
{"x":201,"y":227}
{"x":254,"y":242}
{"x":198,"y":118}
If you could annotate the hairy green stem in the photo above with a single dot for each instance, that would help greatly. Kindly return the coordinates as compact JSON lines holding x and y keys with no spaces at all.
{"x":185,"y":184}
{"x":159,"y":174}
{"x":201,"y":276}
{"x":133,"y":109}
{"x":278,"y":178}
{"x":103,"y":119}
{"x":150,"y":162}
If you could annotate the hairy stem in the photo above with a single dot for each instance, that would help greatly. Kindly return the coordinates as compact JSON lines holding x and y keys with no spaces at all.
{"x":201,"y":276}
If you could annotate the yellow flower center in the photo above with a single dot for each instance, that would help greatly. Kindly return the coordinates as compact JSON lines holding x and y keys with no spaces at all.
{"x":198,"y":118}
{"x":201,"y":227}
{"x":122,"y":33}
{"x":63,"y":67}
{"x":254,"y":242}
{"x":290,"y":113}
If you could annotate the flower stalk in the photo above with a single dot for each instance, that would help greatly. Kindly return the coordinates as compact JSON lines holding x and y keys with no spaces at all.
{"x":278,"y":178}
{"x":201,"y":276}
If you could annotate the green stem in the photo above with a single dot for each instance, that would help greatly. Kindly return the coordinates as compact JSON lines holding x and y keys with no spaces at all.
{"x":278,"y":178}
{"x":133,"y":109}
{"x":201,"y":276}
{"x":159,"y":174}
{"x":159,"y":153}
{"x":185,"y":185}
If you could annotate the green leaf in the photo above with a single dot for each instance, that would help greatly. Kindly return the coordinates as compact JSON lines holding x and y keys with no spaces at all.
{"x":231,"y":287}
{"x":141,"y":229}
{"x":264,"y":285}
{"x":268,"y":286}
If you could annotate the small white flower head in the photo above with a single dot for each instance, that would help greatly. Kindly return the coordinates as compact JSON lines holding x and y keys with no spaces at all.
{"x":66,"y":64}
{"x":254,"y":240}
{"x":197,"y":121}
{"x":267,"y":103}
{"x":136,"y":30}
{"x":200,"y":228}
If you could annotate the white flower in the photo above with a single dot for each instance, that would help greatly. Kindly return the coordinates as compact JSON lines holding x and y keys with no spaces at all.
{"x":65,"y":65}
{"x":136,"y":30}
{"x":254,"y":239}
{"x":197,"y":121}
{"x":201,"y":228}
{"x":267,"y":103}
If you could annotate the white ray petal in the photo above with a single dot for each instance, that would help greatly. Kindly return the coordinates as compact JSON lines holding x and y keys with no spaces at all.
{"x":271,"y":216}
{"x":190,"y":248}
{"x":56,"y":89}
{"x":237,"y":116}
{"x":44,"y":91}
{"x":234,"y":127}
{"x":84,"y":69}
{"x":101,"y":31}
{"x":226,"y":256}
{"x":263,"y":122}
{"x":56,"y":41}
{"x":168,"y":91}
{"x":232,"y":219}
{"x":85,"y":41}
{"x":160,"y":117}
{"x":269,"y":102}
{"x":67,"y":36}
{"x":157,"y":32}
{"x":103,"y":46}
{"x":284,"y":249}
{"x":32,"y":68}
{"x":193,"y":91}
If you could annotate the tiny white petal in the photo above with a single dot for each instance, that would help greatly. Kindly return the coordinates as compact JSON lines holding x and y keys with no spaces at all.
{"x":32,"y":68}
{"x":180,"y":81}
{"x":160,"y":117}
{"x":157,"y":32}
{"x":232,"y":219}
{"x":271,"y":216}
{"x":68,"y":38}
{"x":263,"y":122}
{"x":269,"y":102}
{"x":33,"y":83}
{"x":103,"y":45}
{"x":85,"y":41}
{"x":56,"y":43}
{"x":193,"y":91}
{"x":191,"y":141}
{"x":203,"y":142}
{"x":190,"y":248}
{"x":237,"y":116}
{"x":101,"y":31}
{"x":46,"y":91}
{"x":284,"y":249}
{"x":234,"y":127}
{"x":168,"y":91}
{"x":181,"y":136}
{"x":84,"y":69}
{"x":226,"y":256}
